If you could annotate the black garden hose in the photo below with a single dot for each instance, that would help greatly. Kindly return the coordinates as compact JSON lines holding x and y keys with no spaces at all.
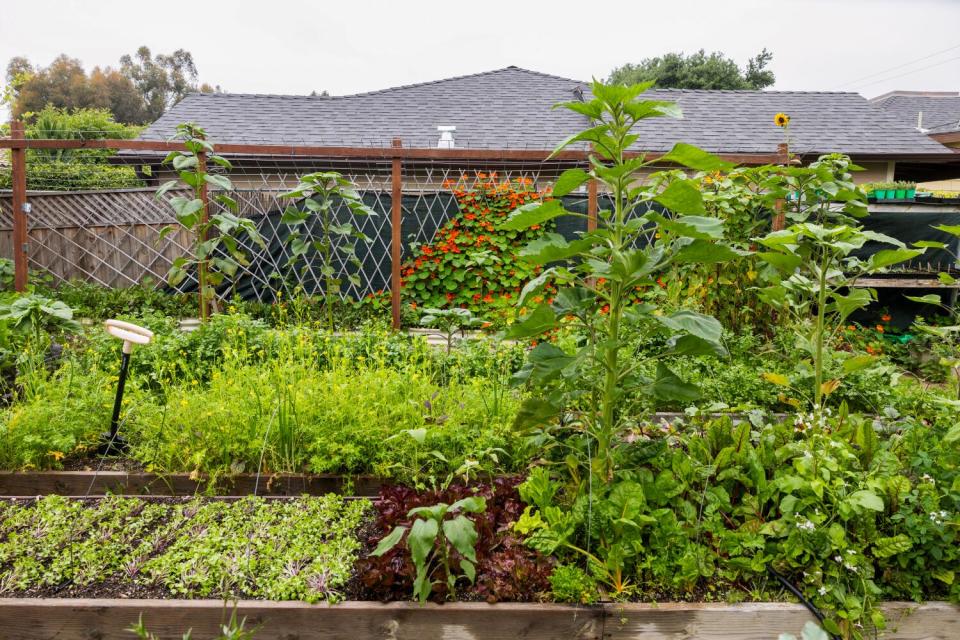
{"x":789,"y":586}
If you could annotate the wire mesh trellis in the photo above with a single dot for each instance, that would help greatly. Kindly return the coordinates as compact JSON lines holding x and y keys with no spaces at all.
{"x":112,"y":237}
{"x":111,"y":234}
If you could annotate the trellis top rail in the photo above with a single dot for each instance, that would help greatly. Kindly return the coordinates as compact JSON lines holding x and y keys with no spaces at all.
{"x":386,"y":153}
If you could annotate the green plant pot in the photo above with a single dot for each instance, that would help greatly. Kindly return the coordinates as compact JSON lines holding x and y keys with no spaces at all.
{"x":891,"y":194}
{"x":901,"y":194}
{"x":880,"y":194}
{"x":911,"y":194}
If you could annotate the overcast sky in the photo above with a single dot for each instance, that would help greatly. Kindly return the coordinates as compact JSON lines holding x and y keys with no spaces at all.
{"x":296,"y":46}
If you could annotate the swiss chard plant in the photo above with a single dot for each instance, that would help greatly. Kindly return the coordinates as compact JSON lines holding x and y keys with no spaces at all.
{"x":439,"y":531}
{"x":323,"y":195}
{"x":815,"y":266}
{"x":215,"y":249}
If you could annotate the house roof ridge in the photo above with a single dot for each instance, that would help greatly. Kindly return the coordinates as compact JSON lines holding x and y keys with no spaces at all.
{"x":465,"y":76}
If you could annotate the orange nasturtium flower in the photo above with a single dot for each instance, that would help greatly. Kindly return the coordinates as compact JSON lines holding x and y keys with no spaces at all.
{"x":885,"y":317}
{"x":879,"y":328}
{"x":781,"y":119}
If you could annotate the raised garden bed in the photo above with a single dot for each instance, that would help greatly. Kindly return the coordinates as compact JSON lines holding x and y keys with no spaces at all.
{"x":82,"y":483}
{"x":83,"y":619}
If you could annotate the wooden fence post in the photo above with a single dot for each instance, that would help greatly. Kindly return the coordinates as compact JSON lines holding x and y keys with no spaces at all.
{"x":18,"y":161}
{"x":396,"y":222}
{"x":779,"y":219}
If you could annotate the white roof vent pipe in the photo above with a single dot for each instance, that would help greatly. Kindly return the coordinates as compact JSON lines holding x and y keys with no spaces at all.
{"x":446,"y":140}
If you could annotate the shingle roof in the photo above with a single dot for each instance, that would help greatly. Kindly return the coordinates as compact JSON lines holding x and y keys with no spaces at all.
{"x":941,"y":113}
{"x":511,"y":109}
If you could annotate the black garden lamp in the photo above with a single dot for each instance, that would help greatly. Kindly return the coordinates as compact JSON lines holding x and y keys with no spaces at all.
{"x":112,"y":444}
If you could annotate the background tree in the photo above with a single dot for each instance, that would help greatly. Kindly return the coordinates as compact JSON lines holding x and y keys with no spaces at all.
{"x":697,"y":71}
{"x":139,"y":92}
{"x":162,"y":80}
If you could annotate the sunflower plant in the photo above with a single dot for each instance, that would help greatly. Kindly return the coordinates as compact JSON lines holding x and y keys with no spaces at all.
{"x":589,"y":388}
{"x":813,"y":267}
{"x":215,"y":250}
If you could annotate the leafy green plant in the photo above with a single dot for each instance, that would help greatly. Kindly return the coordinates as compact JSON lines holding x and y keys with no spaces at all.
{"x":815,"y":269}
{"x":215,"y":251}
{"x":436,"y":535}
{"x":32,"y":314}
{"x":572,"y":584}
{"x":450,"y":322}
{"x":232,"y":629}
{"x":471,"y":262}
{"x":324,"y":195}
{"x":948,"y":333}
{"x":598,"y":273}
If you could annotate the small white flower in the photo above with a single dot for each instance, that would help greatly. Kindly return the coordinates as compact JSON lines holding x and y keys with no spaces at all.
{"x":926,"y":478}
{"x":838,"y":558}
{"x":850,"y":567}
{"x":805,"y":524}
{"x":822,"y":591}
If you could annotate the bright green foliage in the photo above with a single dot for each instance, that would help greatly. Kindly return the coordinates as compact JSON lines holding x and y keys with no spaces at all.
{"x":58,"y":418}
{"x":852,"y":516}
{"x":215,"y":251}
{"x":697,"y":71}
{"x":438,"y":535}
{"x":570,"y":583}
{"x":32,"y":314}
{"x":74,"y":169}
{"x":236,"y":395}
{"x":814,"y":269}
{"x":323,"y":196}
{"x":301,"y":549}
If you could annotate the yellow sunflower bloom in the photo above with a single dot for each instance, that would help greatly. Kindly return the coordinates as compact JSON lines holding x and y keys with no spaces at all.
{"x":781,"y":119}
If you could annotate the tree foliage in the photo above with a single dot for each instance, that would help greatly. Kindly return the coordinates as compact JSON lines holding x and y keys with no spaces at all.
{"x":162,"y":80}
{"x":75,"y":169}
{"x":697,"y":71}
{"x":139,"y":92}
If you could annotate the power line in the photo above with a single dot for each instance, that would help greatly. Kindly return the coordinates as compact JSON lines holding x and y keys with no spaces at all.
{"x":900,"y":66}
{"x":908,"y":73}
